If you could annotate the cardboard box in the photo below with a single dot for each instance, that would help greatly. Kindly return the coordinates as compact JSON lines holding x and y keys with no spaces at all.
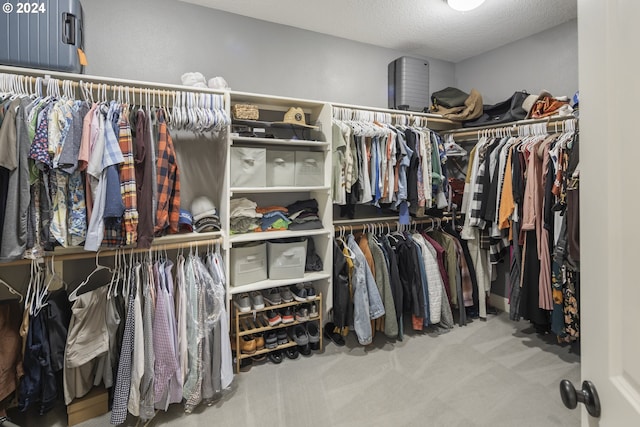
{"x":94,"y":404}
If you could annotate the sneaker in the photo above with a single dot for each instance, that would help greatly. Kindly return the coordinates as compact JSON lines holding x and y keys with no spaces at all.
{"x":314,"y":335}
{"x":300,"y":335}
{"x":243,"y":303}
{"x":287,"y":315}
{"x":302,"y":314}
{"x":275,"y":357}
{"x":274,"y":317}
{"x":256,"y":300}
{"x":313,"y":311}
{"x":272,"y":296}
{"x":311,"y":292}
{"x":286,"y":295}
{"x":270,"y":340}
{"x":292,"y":352}
{"x":299,"y":292}
{"x":283,"y":338}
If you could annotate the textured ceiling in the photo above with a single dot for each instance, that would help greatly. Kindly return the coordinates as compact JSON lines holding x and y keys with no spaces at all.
{"x":418,"y":27}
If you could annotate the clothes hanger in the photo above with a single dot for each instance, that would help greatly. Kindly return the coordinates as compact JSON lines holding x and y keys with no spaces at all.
{"x":74,"y":295}
{"x":12,"y":291}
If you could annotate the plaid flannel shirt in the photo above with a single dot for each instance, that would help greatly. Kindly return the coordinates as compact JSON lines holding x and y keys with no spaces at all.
{"x":128,"y":182}
{"x":168,"y":177}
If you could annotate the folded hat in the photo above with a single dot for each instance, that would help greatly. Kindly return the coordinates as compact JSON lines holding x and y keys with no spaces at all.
{"x":207,"y":224}
{"x":203,"y":207}
{"x":186,"y":220}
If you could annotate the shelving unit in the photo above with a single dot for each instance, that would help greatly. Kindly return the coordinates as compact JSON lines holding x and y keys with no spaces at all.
{"x":255,"y":329}
{"x":284,"y":137}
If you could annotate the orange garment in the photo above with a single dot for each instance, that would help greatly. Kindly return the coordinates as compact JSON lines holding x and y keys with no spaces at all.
{"x":507,"y":204}
{"x":363,"y":243}
{"x":266,"y":209}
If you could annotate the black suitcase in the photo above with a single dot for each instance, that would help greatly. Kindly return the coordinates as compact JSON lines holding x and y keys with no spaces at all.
{"x":46,"y":34}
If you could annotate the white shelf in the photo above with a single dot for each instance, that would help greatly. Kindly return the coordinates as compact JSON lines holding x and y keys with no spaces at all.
{"x":292,"y":189}
{"x":277,"y":141}
{"x":269,"y":235}
{"x":270,"y":283}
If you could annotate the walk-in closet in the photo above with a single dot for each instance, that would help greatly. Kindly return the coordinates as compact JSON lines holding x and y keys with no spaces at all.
{"x":317,"y":213}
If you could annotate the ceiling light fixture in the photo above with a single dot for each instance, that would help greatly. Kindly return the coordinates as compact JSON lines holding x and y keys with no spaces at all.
{"x":464,"y":5}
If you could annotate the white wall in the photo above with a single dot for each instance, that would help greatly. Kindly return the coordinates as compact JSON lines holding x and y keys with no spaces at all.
{"x":158,"y":40}
{"x":547,"y":60}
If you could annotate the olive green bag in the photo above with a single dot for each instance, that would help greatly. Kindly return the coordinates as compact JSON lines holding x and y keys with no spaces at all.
{"x":449,"y":97}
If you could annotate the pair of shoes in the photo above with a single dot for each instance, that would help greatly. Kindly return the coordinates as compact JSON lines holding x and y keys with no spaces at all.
{"x":244,"y":302}
{"x":272,"y":296}
{"x":276,"y":296}
{"x":275,"y":356}
{"x":271,"y":340}
{"x":276,"y":317}
{"x":303,"y":292}
{"x":333,"y":336}
{"x":282,"y":336}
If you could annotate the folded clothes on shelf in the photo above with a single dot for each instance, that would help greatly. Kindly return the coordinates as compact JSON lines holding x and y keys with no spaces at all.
{"x":304,"y":215}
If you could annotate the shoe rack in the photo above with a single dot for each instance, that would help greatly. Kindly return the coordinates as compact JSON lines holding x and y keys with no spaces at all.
{"x":256,"y":321}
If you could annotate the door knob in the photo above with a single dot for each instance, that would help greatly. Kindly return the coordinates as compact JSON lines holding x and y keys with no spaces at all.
{"x":588,"y":395}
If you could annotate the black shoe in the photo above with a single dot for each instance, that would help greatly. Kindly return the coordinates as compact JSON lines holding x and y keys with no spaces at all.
{"x":305,"y":350}
{"x":275,"y":357}
{"x":283,"y":338}
{"x":332,"y":336}
{"x":245,"y":365}
{"x":292,"y":352}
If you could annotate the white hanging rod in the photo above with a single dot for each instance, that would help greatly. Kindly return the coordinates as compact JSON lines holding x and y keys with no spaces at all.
{"x":112,"y":83}
{"x":430,"y":116}
{"x":472,"y":132}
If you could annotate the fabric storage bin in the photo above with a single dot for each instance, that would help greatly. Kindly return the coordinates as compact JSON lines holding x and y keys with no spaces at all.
{"x":248,"y":167}
{"x":248,"y":264}
{"x":286,"y":260}
{"x":309,"y":168}
{"x":281,"y":169}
